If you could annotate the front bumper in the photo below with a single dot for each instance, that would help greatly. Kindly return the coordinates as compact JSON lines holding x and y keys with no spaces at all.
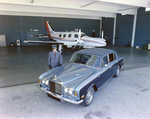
{"x":60,"y":97}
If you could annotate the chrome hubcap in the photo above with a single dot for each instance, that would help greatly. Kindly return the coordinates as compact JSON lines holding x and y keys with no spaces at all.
{"x":118,"y":70}
{"x":90,"y":95}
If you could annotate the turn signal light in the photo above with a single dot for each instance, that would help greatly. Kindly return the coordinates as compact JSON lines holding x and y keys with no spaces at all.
{"x":39,"y":81}
{"x":75,"y":94}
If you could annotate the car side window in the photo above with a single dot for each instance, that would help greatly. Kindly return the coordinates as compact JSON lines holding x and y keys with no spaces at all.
{"x":105,"y":61}
{"x":111,"y":57}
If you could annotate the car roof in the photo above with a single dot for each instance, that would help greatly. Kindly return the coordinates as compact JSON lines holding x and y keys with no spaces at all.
{"x":95,"y":51}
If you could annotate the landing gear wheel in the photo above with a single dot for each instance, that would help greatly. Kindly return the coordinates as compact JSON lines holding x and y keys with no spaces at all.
{"x":89,"y":97}
{"x":117,"y":72}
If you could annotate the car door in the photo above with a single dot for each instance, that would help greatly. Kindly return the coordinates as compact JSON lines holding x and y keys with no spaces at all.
{"x":106,"y":72}
{"x":113,"y":63}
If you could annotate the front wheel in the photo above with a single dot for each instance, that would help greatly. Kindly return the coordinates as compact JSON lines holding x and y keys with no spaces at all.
{"x":89,"y":97}
{"x":117,"y":72}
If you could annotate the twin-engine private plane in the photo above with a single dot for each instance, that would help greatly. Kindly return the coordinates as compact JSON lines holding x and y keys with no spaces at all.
{"x":71,"y":39}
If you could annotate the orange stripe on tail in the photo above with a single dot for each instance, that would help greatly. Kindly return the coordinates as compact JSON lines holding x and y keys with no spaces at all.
{"x":47,"y":29}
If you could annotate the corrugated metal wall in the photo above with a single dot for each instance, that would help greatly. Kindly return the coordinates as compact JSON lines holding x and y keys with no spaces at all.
{"x":18,"y":27}
{"x":108,"y":26}
{"x":124,"y":27}
{"x":142,"y":28}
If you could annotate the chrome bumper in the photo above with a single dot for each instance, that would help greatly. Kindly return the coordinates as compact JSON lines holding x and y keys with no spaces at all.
{"x":61,"y":98}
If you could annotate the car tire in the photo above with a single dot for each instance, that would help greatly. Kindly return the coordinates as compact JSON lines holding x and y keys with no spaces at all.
{"x":117,"y":72}
{"x":89,"y":97}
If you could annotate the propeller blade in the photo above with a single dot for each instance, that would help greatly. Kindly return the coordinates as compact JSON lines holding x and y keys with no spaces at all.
{"x":79,"y":34}
{"x":75,"y":45}
{"x":102,"y":34}
{"x":60,"y":48}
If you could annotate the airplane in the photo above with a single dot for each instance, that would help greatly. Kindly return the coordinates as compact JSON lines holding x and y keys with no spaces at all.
{"x":71,"y":39}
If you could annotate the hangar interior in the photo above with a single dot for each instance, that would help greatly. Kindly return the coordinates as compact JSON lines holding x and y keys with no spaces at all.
{"x":22,"y":27}
{"x":124,"y":23}
{"x":126,"y":26}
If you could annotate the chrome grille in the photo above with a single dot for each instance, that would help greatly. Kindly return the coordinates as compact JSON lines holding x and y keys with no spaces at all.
{"x":55,"y":87}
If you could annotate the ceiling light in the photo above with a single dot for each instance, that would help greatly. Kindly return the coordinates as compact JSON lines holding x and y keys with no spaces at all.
{"x":124,"y":14}
{"x":147,"y":9}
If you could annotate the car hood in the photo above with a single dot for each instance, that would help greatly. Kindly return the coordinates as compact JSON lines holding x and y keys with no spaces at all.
{"x":70,"y":72}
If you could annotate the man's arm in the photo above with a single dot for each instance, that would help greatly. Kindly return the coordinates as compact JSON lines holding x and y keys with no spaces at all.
{"x":49,"y":60}
{"x":60,"y":59}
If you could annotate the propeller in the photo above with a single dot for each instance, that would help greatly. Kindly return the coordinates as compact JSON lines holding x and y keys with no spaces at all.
{"x":79,"y":34}
{"x":75,"y":45}
{"x":60,"y":48}
{"x":79,"y":39}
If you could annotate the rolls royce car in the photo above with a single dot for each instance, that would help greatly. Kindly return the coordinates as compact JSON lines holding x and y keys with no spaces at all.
{"x":78,"y":80}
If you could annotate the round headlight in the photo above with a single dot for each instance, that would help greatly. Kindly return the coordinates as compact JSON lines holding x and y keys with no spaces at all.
{"x":66,"y":90}
{"x":70,"y":91}
{"x":47,"y":82}
{"x":43,"y":81}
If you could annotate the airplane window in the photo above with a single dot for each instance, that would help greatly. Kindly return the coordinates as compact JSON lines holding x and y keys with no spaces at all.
{"x":69,"y":35}
{"x":59,"y":35}
{"x":76,"y":36}
{"x":64,"y":35}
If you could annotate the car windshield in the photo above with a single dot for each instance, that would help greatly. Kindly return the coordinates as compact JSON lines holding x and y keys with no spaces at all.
{"x":89,"y":60}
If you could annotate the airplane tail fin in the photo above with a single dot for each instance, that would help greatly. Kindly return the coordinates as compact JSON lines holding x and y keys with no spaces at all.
{"x":49,"y":28}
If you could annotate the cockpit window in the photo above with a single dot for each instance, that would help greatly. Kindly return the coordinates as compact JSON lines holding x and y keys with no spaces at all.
{"x":89,"y":60}
{"x":83,"y":35}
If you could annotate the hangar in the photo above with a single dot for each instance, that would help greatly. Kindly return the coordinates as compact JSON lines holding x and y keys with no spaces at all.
{"x":126,"y":29}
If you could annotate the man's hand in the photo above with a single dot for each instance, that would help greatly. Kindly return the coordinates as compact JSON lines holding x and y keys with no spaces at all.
{"x":59,"y":64}
{"x":50,"y":66}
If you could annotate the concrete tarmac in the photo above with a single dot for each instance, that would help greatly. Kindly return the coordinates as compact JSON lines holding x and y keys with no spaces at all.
{"x":23,"y":65}
{"x":124,"y":97}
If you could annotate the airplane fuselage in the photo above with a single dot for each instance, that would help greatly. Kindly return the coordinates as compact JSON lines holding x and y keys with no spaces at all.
{"x":72,"y":38}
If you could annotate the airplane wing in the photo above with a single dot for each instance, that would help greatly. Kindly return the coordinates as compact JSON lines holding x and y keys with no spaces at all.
{"x":51,"y":42}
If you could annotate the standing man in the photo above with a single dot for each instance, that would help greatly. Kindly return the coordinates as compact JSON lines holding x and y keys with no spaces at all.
{"x":55,"y":58}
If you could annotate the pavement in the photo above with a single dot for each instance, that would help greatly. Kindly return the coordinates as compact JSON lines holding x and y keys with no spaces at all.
{"x":124,"y":97}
